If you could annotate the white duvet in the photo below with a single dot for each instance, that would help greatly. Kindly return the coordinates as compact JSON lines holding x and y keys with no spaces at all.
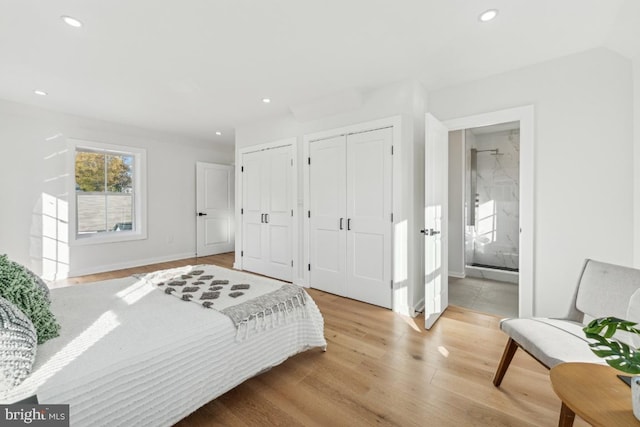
{"x":129,"y":354}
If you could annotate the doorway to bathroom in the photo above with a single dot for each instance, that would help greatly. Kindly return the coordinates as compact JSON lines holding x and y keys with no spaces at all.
{"x":524,"y":116}
{"x":484,"y":224}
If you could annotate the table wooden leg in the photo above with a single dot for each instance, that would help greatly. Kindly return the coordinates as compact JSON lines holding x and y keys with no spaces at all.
{"x":566,"y":416}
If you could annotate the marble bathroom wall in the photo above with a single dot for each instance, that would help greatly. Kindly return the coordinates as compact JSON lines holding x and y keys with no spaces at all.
{"x":494,"y":240}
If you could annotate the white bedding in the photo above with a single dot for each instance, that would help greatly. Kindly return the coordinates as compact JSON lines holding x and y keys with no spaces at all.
{"x":130,"y":355}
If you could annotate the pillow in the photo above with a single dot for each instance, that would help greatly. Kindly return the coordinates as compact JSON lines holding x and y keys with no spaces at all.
{"x":39,"y":282}
{"x":633,"y":315}
{"x":18,"y":287}
{"x":18,"y":343}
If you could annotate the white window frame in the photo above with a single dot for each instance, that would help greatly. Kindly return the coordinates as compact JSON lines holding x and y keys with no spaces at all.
{"x":139,"y":189}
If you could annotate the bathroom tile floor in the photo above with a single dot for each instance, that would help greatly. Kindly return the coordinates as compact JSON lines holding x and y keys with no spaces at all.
{"x":487,"y":296}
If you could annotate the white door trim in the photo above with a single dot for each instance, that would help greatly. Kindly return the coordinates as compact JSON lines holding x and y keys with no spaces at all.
{"x":525,"y":115}
{"x":293,"y":142}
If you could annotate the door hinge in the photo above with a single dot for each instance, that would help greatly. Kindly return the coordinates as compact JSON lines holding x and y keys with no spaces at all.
{"x":309,"y":267}
{"x":392,"y":284}
{"x":392,"y":150}
{"x":391,"y":216}
{"x":291,"y":162}
{"x":291,"y":212}
{"x":241,"y":168}
{"x":241,"y":211}
{"x":308,"y":160}
{"x":308,"y":214}
{"x":241,"y":253}
{"x":291,"y":263}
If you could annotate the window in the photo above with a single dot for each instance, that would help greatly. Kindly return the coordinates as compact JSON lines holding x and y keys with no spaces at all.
{"x":109,"y":193}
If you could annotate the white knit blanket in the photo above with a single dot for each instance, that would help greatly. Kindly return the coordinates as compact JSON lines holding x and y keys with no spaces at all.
{"x":253,"y":303}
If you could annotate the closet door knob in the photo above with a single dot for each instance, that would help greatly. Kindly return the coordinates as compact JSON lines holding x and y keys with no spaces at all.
{"x":429,"y":232}
{"x":262,"y":218}
{"x":266,"y":218}
{"x":341,"y":225}
{"x":348,"y":223}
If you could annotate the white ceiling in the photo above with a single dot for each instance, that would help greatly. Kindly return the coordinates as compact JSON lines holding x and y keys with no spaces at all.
{"x":196,"y":66}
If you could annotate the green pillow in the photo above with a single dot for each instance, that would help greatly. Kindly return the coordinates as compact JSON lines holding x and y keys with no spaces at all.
{"x":19,"y":287}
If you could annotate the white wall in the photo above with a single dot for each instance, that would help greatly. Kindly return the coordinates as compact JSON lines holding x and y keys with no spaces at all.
{"x":408,"y":100}
{"x":35,"y":170}
{"x":636,"y":165}
{"x":456,"y":203}
{"x":583,"y":160}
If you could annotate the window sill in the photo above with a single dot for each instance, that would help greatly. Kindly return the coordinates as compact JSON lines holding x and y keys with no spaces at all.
{"x":102,"y":239}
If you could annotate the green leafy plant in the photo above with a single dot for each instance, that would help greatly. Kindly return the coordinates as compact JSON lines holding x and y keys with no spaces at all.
{"x":615,"y":352}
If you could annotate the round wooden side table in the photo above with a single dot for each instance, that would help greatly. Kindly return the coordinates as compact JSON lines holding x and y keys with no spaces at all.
{"x":595,"y":393}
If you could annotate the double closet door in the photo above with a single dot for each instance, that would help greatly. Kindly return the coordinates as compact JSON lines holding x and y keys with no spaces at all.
{"x":350,"y":215}
{"x":267,"y":212}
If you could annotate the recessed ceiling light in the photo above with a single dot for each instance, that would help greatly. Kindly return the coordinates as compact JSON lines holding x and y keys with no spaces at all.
{"x":266,"y":100}
{"x":73,"y":22}
{"x":40,"y":92}
{"x":488,"y":15}
{"x":218,"y":133}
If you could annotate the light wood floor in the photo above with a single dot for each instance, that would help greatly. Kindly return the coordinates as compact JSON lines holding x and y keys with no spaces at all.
{"x":384,"y":369}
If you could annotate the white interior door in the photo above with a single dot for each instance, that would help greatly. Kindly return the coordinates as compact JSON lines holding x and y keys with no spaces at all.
{"x":435,"y":220}
{"x":254,"y":187}
{"x":369,"y":221}
{"x":267,"y":212}
{"x":328,"y":219}
{"x":215,"y":229}
{"x":278,"y":213}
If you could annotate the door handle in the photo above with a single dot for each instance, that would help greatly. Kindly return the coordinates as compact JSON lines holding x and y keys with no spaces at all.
{"x":202,"y":214}
{"x":348,"y":223}
{"x":266,"y":218}
{"x":341,"y":225}
{"x":262,"y":218}
{"x":429,"y":232}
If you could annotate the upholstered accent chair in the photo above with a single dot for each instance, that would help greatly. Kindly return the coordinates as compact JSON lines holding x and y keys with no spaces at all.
{"x":603,"y":290}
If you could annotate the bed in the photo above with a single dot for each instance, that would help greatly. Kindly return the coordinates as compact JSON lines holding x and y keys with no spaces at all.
{"x":129,"y":354}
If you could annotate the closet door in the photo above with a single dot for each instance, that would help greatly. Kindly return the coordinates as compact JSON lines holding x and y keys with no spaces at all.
{"x":369,"y":184}
{"x":327,"y":224}
{"x":278,"y":207}
{"x":254,"y":193}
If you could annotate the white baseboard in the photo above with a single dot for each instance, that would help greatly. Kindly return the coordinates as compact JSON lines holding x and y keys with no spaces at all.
{"x":129,"y":264}
{"x":457,"y":275}
{"x":301,"y":283}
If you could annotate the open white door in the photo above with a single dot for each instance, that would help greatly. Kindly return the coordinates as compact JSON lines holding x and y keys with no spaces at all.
{"x":215,"y":229}
{"x":435,"y":219}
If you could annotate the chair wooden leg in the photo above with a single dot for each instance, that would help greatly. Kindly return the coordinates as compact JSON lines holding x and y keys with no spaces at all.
{"x":507,"y":355}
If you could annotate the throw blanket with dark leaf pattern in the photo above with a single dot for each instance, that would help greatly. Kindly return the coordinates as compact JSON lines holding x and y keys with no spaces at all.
{"x":252,"y":303}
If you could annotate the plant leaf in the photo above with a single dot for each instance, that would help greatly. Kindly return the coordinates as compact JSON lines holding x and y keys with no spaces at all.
{"x":616,"y":353}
